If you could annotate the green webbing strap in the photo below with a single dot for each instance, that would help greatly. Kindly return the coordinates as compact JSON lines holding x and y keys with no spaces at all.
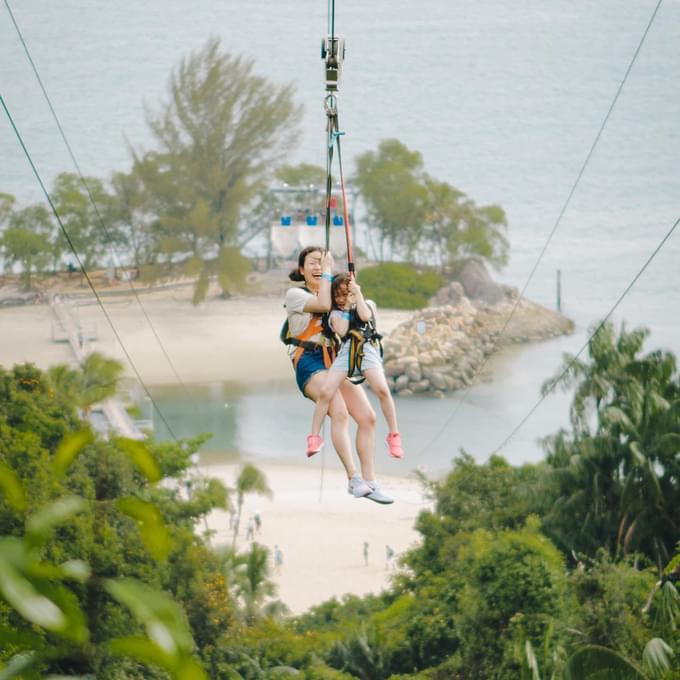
{"x":331,"y":133}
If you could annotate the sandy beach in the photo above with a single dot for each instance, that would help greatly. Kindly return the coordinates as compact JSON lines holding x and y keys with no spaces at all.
{"x":219,"y":340}
{"x":319,"y":529}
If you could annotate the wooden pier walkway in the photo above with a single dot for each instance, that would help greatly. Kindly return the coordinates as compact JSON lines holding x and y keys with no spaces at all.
{"x":65,"y":328}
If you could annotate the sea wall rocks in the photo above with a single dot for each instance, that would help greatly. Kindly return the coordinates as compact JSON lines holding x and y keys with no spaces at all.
{"x":441,"y":348}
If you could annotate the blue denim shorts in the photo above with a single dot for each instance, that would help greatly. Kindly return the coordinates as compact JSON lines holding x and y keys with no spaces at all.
{"x":310,"y":363}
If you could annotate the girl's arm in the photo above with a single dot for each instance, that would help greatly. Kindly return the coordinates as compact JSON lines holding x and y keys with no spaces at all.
{"x":339,"y":322}
{"x":363,"y":310}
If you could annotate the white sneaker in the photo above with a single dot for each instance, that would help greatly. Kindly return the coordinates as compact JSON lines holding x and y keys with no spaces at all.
{"x":357,"y":487}
{"x":377,"y":495}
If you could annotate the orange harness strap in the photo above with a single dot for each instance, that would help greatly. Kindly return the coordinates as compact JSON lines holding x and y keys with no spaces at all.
{"x":314,"y":328}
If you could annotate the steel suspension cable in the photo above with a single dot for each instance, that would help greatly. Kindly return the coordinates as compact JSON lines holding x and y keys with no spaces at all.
{"x":93,"y":202}
{"x":557,"y":223}
{"x":81,"y":265}
{"x":556,"y":381}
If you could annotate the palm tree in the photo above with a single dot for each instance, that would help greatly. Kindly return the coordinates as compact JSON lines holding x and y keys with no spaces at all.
{"x":617,"y":471}
{"x":252,"y":583}
{"x":99,"y":379}
{"x":96,"y":380}
{"x":249,"y":480}
{"x":248,"y":575}
{"x":599,"y":662}
{"x":65,"y":382}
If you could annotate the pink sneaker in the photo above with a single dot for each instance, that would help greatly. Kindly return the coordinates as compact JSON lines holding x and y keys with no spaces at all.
{"x":314,"y":444}
{"x":393,"y":442}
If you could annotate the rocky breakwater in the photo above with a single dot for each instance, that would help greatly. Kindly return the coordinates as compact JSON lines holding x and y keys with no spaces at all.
{"x":442,"y":347}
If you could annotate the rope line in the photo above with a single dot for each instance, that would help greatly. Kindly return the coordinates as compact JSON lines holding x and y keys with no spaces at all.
{"x":345,"y":210}
{"x":82,"y":267}
{"x":599,"y":327}
{"x":581,"y":172}
{"x":94,"y":203}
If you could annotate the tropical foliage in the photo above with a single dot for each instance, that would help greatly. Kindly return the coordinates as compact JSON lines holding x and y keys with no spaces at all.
{"x":396,"y":285}
{"x":414,"y":216}
{"x":102,"y":571}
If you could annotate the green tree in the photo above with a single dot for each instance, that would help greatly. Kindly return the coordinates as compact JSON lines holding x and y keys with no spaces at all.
{"x":302,"y":175}
{"x":253,"y":583}
{"x":397,"y":285}
{"x":27,"y":241}
{"x":617,"y":470}
{"x":250,"y":480}
{"x":96,"y":380}
{"x":81,"y":218}
{"x":99,"y":379}
{"x":390,"y":181}
{"x":136,"y":226}
{"x":7,"y":202}
{"x":84,"y":524}
{"x":421,"y":218}
{"x":217,"y":139}
{"x":456,"y":229}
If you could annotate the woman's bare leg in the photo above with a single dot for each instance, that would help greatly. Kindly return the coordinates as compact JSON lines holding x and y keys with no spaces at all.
{"x":375,"y":377}
{"x":339,"y":422}
{"x":363,"y":414}
{"x":329,"y":388}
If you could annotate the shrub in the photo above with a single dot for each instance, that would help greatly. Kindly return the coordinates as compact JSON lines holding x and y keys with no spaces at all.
{"x":399,"y":285}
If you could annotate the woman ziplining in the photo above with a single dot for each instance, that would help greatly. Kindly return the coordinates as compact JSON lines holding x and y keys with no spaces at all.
{"x":312,"y":335}
{"x":311,"y":348}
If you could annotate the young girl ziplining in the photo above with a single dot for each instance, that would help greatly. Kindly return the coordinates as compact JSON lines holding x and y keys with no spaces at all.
{"x":352,"y":318}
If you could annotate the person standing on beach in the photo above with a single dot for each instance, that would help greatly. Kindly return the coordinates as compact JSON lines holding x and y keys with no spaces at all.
{"x":310,"y":349}
{"x":389,"y":558}
{"x":278,"y":559}
{"x":250,"y":529}
{"x":365,"y":553}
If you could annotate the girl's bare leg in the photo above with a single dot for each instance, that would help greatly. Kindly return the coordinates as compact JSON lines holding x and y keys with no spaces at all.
{"x":329,"y":388}
{"x":339,"y":421}
{"x":363,"y":414}
{"x":375,"y":377}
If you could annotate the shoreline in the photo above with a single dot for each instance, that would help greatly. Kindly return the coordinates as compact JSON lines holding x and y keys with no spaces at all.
{"x":219,"y":340}
{"x":321,"y":535}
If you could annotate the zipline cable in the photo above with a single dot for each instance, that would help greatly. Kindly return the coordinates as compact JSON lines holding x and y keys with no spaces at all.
{"x":599,"y":327}
{"x":94,"y":203}
{"x":82,"y":267}
{"x":581,"y":172}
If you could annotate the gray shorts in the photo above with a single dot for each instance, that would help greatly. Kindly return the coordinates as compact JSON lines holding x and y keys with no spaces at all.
{"x":371,"y":358}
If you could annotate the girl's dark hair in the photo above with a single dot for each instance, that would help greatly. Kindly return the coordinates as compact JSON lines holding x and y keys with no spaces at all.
{"x":295,"y":275}
{"x":338,"y":280}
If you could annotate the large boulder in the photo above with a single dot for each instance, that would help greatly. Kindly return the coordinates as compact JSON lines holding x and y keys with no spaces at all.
{"x":448,"y":295}
{"x":478,"y":284}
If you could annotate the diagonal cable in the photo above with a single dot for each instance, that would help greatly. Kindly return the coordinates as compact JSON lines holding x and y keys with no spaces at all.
{"x":94,"y":203}
{"x":553,"y":383}
{"x":581,"y":172}
{"x":82,"y":267}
